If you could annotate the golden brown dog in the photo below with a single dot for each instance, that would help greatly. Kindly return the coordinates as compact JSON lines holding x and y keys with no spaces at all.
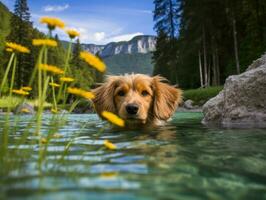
{"x":138,"y":99}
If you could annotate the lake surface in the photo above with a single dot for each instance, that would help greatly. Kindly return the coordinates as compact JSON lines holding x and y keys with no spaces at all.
{"x":183,"y":160}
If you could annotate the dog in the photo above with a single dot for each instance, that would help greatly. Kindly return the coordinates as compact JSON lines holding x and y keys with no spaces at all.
{"x":138,"y":99}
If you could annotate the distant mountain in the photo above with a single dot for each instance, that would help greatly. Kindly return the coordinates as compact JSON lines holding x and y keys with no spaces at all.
{"x":93,"y":48}
{"x":139,"y":44}
{"x":132,"y":56}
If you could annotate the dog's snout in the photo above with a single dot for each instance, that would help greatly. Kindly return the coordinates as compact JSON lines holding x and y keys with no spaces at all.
{"x":132,"y":109}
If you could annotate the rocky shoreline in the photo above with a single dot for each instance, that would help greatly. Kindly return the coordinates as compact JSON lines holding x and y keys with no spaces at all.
{"x":242,"y":102}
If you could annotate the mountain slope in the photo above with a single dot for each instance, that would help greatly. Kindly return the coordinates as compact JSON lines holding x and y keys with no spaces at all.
{"x":129,"y":63}
{"x":138,"y":44}
{"x":132,"y":56}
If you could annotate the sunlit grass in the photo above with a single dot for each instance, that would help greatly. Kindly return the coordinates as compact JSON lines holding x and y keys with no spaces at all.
{"x":201,"y":95}
{"x":13,"y":102}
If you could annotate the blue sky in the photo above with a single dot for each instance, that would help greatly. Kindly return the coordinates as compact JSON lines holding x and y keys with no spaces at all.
{"x":98,"y":21}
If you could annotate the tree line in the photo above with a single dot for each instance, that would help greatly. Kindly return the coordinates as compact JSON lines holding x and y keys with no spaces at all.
{"x":200,"y":43}
{"x":22,"y":32}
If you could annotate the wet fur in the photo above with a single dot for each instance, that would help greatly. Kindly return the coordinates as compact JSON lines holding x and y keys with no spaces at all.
{"x":155,"y":108}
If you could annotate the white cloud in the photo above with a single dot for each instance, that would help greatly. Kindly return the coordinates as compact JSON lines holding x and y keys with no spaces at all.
{"x":99,"y":36}
{"x":94,"y":31}
{"x":123,"y":37}
{"x":55,"y":8}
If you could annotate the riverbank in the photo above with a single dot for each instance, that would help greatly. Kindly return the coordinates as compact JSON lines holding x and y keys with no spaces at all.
{"x":193,"y":102}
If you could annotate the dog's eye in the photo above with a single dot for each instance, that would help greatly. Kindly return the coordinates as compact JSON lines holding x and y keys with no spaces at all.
{"x":121,"y":93}
{"x":144,"y":93}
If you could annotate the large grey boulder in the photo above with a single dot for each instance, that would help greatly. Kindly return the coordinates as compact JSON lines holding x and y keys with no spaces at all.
{"x":242,"y":102}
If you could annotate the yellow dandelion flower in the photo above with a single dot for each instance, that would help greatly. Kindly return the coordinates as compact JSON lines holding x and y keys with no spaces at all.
{"x":54,"y":110}
{"x":25,"y":110}
{"x":9,"y":50}
{"x":111,"y":117}
{"x":51,"y":68}
{"x":93,"y":61}
{"x":72,"y":33}
{"x":109,"y":175}
{"x":54,"y":85}
{"x":80,"y":92}
{"x":52,"y":22}
{"x":17,"y":47}
{"x":26,"y":88}
{"x":44,"y":140}
{"x":44,"y":42}
{"x":21,"y":92}
{"x":66,"y":79}
{"x":109,"y":145}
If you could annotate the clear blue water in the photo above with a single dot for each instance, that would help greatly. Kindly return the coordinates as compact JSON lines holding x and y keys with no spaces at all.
{"x":182,"y":160}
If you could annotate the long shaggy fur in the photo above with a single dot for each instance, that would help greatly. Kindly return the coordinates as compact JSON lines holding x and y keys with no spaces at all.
{"x":157,"y":107}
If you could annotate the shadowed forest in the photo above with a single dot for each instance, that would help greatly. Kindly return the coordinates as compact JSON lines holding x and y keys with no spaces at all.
{"x":201,"y":43}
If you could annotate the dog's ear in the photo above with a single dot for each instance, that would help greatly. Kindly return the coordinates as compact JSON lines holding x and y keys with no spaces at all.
{"x":166,"y":99}
{"x":104,"y":97}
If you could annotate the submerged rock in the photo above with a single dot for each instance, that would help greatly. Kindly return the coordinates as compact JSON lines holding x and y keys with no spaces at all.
{"x":24,"y":108}
{"x":242,"y":102}
{"x":188,"y":104}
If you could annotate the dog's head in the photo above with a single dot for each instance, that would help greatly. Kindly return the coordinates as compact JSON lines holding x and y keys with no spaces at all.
{"x":137,"y":98}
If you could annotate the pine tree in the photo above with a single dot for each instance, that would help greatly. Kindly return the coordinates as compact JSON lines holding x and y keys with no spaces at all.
{"x":21,"y":32}
{"x":83,"y":74}
{"x":75,"y":61}
{"x":166,"y":16}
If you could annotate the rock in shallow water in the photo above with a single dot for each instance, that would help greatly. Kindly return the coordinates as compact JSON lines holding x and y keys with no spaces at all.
{"x":242,"y":102}
{"x":24,"y":108}
{"x":188,"y":104}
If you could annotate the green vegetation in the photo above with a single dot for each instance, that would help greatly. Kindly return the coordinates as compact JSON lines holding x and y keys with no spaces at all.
{"x":4,"y":25}
{"x":54,"y":88}
{"x":13,"y":102}
{"x":201,"y":43}
{"x":201,"y":95}
{"x":4,"y":31}
{"x":128,"y":63}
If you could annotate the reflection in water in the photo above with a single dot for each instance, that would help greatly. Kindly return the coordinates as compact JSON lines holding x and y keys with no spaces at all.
{"x":183,"y":160}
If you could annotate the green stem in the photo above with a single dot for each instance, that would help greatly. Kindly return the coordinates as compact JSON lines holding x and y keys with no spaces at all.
{"x":50,"y":33}
{"x":64,"y":96}
{"x":39,"y":122}
{"x":39,"y":114}
{"x":53,"y":90}
{"x":6,"y":72}
{"x":39,"y":61}
{"x":13,"y":76}
{"x":66,"y":68}
{"x":60,"y":92}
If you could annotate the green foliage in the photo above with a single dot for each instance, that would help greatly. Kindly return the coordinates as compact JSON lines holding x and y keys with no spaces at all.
{"x":21,"y":33}
{"x":4,"y":31}
{"x":201,"y":95}
{"x":4,"y":26}
{"x":213,"y":33}
{"x":164,"y":57}
{"x":166,"y":17}
{"x":12,"y":102}
{"x":80,"y":70}
{"x":166,"y":25}
{"x":128,"y":63}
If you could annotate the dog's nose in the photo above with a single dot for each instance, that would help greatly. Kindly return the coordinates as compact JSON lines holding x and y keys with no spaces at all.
{"x":132,"y":109}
